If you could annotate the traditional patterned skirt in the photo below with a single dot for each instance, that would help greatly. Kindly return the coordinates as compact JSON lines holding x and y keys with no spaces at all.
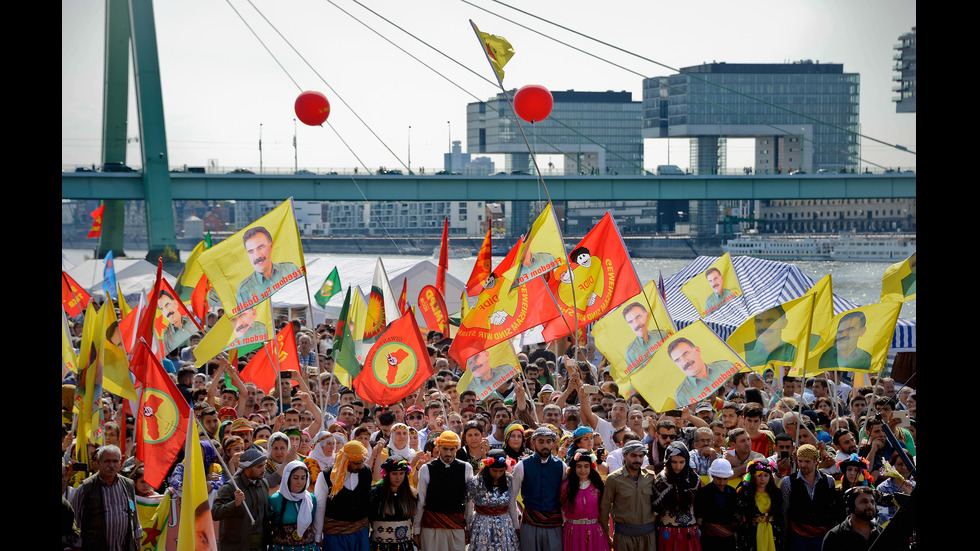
{"x":394,"y":535}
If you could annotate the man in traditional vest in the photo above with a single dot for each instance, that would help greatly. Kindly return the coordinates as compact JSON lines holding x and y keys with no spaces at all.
{"x":539,"y":477}
{"x":343,"y":500}
{"x":808,"y":502}
{"x":440,"y":523}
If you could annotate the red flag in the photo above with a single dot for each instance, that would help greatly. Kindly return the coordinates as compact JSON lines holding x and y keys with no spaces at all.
{"x":403,"y":298}
{"x":261,"y":370}
{"x":501,"y":313}
{"x":603,"y":277}
{"x":433,"y":309}
{"x":161,"y":422}
{"x":73,"y":297}
{"x":396,"y":365}
{"x":145,"y":327}
{"x":199,"y":299}
{"x":443,"y":260}
{"x":481,"y":269}
{"x":96,"y":215}
{"x":173,"y":323}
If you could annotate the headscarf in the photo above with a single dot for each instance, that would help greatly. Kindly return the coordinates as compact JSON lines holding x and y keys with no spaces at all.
{"x":517,"y":454}
{"x":393,"y":465}
{"x":272,"y":439}
{"x":317,"y":454}
{"x":634,"y":446}
{"x":305,"y":516}
{"x":864,"y":470}
{"x":222,"y":428}
{"x":250,"y":457}
{"x":580,"y":432}
{"x":675,"y":491}
{"x":760,"y":465}
{"x":406,"y":453}
{"x":352,"y":450}
{"x":448,"y":439}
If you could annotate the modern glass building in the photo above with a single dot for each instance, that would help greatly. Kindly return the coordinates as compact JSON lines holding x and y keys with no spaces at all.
{"x":905,"y":65}
{"x":803,"y":115}
{"x":596,"y":132}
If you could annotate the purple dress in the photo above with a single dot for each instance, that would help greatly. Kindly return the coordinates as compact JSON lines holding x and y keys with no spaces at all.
{"x":582,"y":531}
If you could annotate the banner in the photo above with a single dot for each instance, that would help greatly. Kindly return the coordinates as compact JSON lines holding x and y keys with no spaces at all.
{"x":443,"y":261}
{"x":689,"y":367}
{"x":396,"y":365}
{"x":109,"y":287}
{"x":196,"y":529}
{"x":488,"y":369}
{"x":630,"y":334}
{"x":856,"y":340}
{"x":249,"y":327}
{"x":96,"y":229}
{"x":898,"y":283}
{"x":433,"y":309}
{"x":154,"y":515}
{"x":777,"y":336}
{"x":251,"y":265}
{"x":713,"y":287}
{"x":598,"y":277}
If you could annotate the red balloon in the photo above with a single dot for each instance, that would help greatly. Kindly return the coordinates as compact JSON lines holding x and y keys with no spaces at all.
{"x":533,"y":103}
{"x":312,"y":108}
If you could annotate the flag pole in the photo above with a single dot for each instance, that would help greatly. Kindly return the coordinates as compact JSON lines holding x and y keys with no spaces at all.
{"x":224,"y":466}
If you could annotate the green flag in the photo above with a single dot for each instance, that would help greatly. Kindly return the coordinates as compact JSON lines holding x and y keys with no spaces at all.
{"x":344,"y":353}
{"x":331,"y":286}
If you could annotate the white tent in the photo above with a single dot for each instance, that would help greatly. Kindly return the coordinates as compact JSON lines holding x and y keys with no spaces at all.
{"x":359,"y":272}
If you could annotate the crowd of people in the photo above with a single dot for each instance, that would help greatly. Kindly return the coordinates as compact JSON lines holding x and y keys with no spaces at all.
{"x":555,"y":458}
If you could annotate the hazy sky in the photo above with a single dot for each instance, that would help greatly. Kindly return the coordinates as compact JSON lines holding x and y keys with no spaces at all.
{"x":220,"y":84}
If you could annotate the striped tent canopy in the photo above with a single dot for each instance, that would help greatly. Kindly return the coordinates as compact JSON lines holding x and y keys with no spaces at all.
{"x":765,"y":283}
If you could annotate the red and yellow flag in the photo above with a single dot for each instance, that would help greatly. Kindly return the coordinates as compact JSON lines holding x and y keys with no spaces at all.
{"x":73,"y":297}
{"x":96,"y":230}
{"x":382,"y":307}
{"x":481,"y":268}
{"x":173,"y":323}
{"x":161,"y":422}
{"x":396,"y":365}
{"x":502,"y":313}
{"x":497,"y":49}
{"x":598,"y":277}
{"x":262,"y":371}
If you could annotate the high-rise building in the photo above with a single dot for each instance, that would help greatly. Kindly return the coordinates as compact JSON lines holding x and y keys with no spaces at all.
{"x":803,"y":115}
{"x":905,"y":65}
{"x":595,"y":132}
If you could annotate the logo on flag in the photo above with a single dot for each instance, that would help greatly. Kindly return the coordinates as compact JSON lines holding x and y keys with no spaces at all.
{"x":160,"y":416}
{"x":394,"y":364}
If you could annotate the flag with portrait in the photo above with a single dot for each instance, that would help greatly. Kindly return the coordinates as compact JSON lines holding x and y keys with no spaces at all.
{"x":777,"y":336}
{"x":254,"y":263}
{"x":898,"y":283}
{"x":713,"y":288}
{"x":488,"y":369}
{"x":630,"y":334}
{"x":251,"y":328}
{"x":856,"y":340}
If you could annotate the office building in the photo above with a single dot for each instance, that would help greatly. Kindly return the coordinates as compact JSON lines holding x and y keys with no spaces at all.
{"x":905,"y":65}
{"x":595,"y":132}
{"x":803,"y":115}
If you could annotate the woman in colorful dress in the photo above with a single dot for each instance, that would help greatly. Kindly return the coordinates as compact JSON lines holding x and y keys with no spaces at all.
{"x":581,"y":494}
{"x":291,"y":511}
{"x":759,"y":508}
{"x":673,"y":501}
{"x":494,"y":523}
{"x":393,"y":506}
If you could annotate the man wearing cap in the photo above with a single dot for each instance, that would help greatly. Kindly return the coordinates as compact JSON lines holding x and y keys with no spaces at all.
{"x":714,"y":506}
{"x":808,"y":501}
{"x":247,"y":490}
{"x":440,"y":522}
{"x":627,"y":499}
{"x":539,"y":477}
{"x":343,"y":501}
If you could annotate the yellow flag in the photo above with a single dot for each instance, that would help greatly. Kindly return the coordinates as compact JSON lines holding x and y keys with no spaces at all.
{"x":192,"y":271}
{"x":776,"y":336}
{"x":250,"y":327}
{"x":115,"y":364}
{"x":154,"y":515}
{"x":498,"y":51}
{"x":688,"y":368}
{"x":856,"y":340}
{"x":898,"y":282}
{"x":540,"y":253}
{"x":488,"y":369}
{"x":250,"y":266}
{"x":124,"y":308}
{"x":196,"y":529}
{"x":630,"y":335}
{"x":69,"y":360}
{"x":464,"y":306}
{"x":714,"y":287}
{"x":88,"y":390}
{"x":823,"y":308}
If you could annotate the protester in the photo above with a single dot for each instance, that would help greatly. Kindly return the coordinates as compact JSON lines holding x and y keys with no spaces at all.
{"x":495,"y":518}
{"x":291,"y":511}
{"x":539,"y":477}
{"x":102,"y":508}
{"x":238,"y":504}
{"x":581,"y":494}
{"x":715,"y":507}
{"x":626,"y":501}
{"x":439,"y":520}
{"x":760,"y":508}
{"x":393,"y":507}
{"x":673,"y":500}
